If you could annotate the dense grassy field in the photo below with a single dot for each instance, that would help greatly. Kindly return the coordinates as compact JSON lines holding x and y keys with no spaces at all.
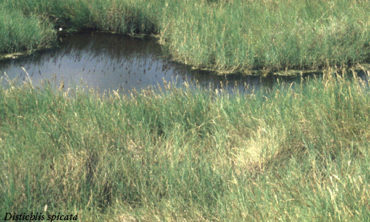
{"x":226,"y":36}
{"x":296,"y":152}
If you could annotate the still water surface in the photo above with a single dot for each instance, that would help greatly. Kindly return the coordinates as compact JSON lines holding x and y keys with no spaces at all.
{"x":110,"y":62}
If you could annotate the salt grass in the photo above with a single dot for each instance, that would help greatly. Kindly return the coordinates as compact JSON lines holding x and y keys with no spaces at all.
{"x":296,"y":152}
{"x":19,"y":32}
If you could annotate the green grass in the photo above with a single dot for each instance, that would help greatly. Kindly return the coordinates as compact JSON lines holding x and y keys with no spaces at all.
{"x":244,"y":35}
{"x":226,"y":36}
{"x":297,"y":152}
{"x":19,"y":32}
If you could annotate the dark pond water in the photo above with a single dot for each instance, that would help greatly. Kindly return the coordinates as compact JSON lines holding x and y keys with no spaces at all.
{"x":110,"y":62}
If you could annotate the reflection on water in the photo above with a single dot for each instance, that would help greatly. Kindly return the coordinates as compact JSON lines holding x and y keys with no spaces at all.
{"x":110,"y":62}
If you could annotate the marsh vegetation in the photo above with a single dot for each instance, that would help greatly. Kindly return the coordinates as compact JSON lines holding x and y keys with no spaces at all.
{"x":225,"y":36}
{"x":295,"y":151}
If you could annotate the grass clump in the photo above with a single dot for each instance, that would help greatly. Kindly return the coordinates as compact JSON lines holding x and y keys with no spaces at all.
{"x":243,"y":35}
{"x":296,"y":152}
{"x":118,"y":16}
{"x":19,"y":32}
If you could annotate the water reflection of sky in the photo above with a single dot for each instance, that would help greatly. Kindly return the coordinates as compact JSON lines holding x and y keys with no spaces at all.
{"x":107,"y":62}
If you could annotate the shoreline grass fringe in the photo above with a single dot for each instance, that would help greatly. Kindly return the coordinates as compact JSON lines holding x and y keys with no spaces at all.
{"x":225,"y":36}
